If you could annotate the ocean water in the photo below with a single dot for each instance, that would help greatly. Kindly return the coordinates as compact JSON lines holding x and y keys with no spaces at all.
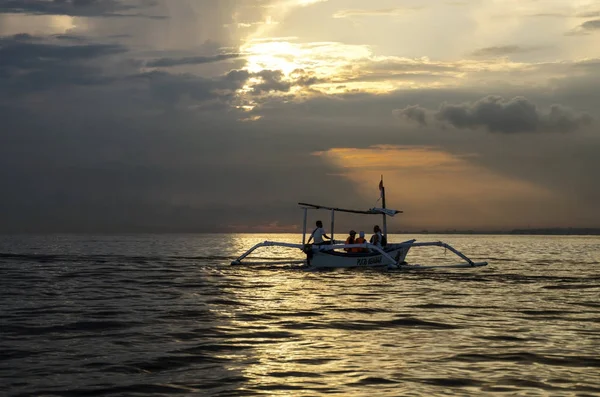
{"x":153,"y":315}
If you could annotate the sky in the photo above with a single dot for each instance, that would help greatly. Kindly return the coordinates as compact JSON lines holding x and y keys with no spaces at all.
{"x":220,"y":116}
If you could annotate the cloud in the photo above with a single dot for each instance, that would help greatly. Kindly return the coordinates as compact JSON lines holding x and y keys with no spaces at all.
{"x":198,"y":60}
{"x":497,"y":114}
{"x":23,"y":50}
{"x":500,"y":51}
{"x":585,"y":28}
{"x":76,"y":8}
{"x":588,"y":14}
{"x":373,"y":13}
{"x":272,"y":80}
{"x":492,"y":112}
{"x":29,"y":63}
{"x":413,"y":113}
{"x":563,"y":119}
{"x":91,"y":167}
{"x":548,"y":15}
{"x":591,"y":25}
{"x":172,"y":90}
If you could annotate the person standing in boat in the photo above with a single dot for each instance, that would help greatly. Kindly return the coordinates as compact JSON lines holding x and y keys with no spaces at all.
{"x":318,"y":234}
{"x":351,"y":240}
{"x":377,"y":237}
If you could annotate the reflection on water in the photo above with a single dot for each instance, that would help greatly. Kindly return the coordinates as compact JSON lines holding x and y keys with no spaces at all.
{"x":156,"y":315}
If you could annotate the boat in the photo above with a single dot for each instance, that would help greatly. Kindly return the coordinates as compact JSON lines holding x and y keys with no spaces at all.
{"x":338,"y":254}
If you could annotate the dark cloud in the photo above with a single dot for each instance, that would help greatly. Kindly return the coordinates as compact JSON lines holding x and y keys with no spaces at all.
{"x":515,"y":115}
{"x":497,"y":114}
{"x":502,"y":51}
{"x":564,"y":119}
{"x":23,"y":50}
{"x":413,"y":113}
{"x":302,"y":78}
{"x":170,"y":89}
{"x":591,"y":25}
{"x":31,"y":64}
{"x":585,"y":28}
{"x":493,"y":113}
{"x":97,"y":161}
{"x":91,"y":142}
{"x":271,"y":80}
{"x":93,"y":170}
{"x":77,"y":8}
{"x":168,"y":62}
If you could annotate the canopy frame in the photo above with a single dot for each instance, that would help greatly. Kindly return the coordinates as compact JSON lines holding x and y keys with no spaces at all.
{"x":385,"y":212}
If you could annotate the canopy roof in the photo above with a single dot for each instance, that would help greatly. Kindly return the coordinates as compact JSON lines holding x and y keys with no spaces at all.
{"x":372,"y":211}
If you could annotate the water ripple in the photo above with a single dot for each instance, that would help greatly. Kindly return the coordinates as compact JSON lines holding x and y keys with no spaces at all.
{"x":162,"y":315}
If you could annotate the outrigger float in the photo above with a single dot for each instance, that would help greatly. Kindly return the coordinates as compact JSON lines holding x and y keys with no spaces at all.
{"x":333,"y":255}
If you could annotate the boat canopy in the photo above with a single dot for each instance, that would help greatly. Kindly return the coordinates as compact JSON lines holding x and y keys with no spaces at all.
{"x":372,"y":211}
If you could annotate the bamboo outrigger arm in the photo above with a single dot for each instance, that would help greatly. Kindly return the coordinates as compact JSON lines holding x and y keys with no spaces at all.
{"x":444,"y":245}
{"x":265,"y":244}
{"x":373,"y":247}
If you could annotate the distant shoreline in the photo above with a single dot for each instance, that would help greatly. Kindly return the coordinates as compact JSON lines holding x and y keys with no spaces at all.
{"x":537,"y":232}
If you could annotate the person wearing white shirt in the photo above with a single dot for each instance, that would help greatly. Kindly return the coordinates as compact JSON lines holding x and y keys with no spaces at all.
{"x":318,"y":234}
{"x":377,"y":237}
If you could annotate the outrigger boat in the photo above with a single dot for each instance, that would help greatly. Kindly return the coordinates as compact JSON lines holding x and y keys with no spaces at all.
{"x":333,"y":254}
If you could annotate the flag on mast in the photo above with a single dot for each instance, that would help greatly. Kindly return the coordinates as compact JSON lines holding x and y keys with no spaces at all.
{"x":380,"y":189}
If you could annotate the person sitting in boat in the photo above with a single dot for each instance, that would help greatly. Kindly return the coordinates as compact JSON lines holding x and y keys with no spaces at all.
{"x":319,"y":234}
{"x":351,"y":240}
{"x":360,"y":240}
{"x":377,"y":237}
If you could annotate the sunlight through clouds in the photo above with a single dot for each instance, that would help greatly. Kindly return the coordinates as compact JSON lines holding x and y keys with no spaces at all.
{"x":434,"y":186}
{"x":39,"y":24}
{"x":335,"y":68}
{"x":307,"y":68}
{"x":325,"y":59}
{"x":349,"y":13}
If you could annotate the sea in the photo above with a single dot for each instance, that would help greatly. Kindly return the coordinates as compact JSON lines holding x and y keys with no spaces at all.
{"x":158,"y":315}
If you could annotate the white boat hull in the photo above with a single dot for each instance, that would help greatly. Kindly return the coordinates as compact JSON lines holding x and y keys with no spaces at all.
{"x":320,"y":257}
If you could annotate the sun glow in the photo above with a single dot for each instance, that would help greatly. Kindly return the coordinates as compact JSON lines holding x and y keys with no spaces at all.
{"x":289,"y":67}
{"x":322,"y":66}
{"x":275,"y":55}
{"x":325,"y":60}
{"x":435,"y":187}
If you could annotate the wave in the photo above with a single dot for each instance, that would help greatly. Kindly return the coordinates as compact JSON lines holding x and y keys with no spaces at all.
{"x":530,"y":358}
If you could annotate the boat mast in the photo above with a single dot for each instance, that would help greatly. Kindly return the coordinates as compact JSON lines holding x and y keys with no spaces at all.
{"x":383,"y":206}
{"x":332,"y":224}
{"x":304,"y":227}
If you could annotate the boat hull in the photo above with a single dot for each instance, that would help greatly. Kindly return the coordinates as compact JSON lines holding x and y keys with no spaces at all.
{"x":320,"y":257}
